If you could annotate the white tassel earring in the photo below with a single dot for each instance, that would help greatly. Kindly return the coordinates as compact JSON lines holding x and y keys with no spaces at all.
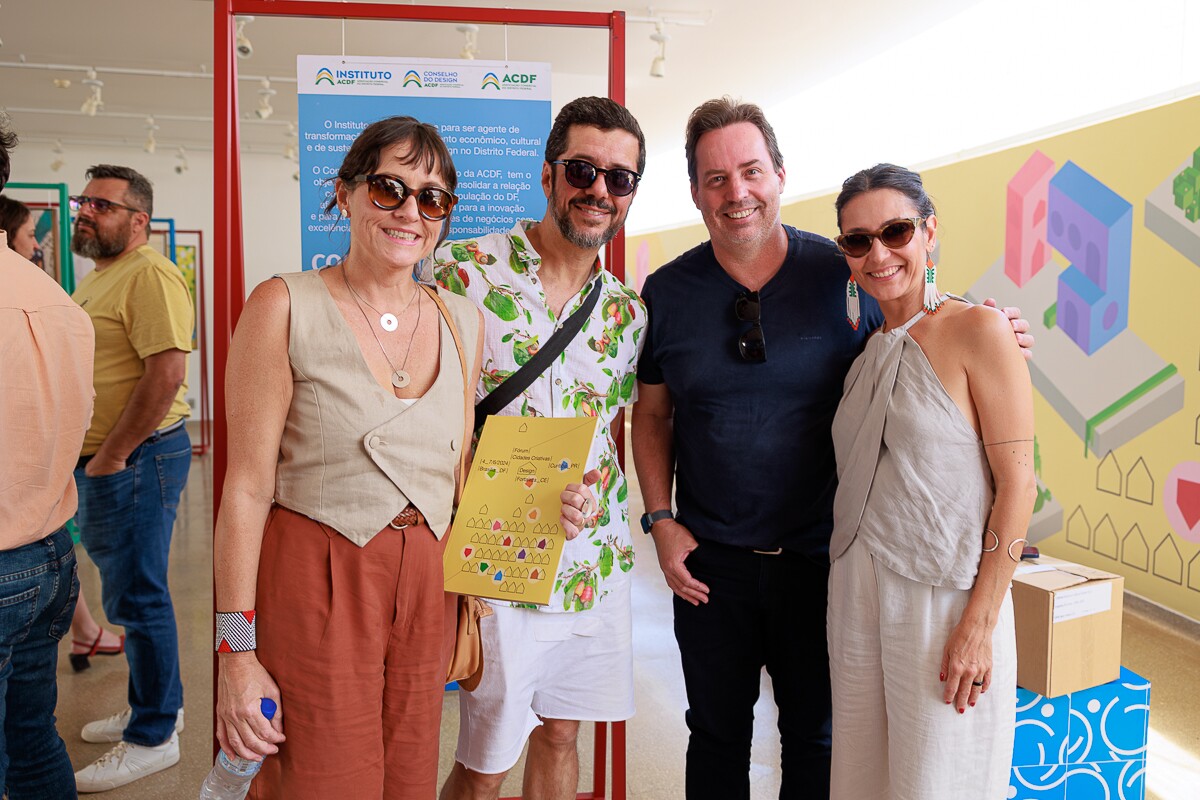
{"x":933,"y":299}
{"x":853,"y":316}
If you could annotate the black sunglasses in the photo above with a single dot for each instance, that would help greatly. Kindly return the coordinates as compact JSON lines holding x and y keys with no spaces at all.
{"x":751,"y":345}
{"x":97,"y":204}
{"x":388,"y":192}
{"x":894,"y":235}
{"x":582,"y":174}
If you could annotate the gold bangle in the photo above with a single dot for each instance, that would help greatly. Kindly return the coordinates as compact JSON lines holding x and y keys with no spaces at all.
{"x":995,"y":536}
{"x":1017,"y":559}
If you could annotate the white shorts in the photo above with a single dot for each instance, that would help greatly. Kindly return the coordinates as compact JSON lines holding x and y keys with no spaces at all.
{"x":576,"y":666}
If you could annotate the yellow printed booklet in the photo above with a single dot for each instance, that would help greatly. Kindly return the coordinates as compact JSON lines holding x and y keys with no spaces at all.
{"x":506,"y":540}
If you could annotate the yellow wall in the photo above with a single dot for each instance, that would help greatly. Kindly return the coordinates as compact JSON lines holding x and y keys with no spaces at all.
{"x":1132,"y":156}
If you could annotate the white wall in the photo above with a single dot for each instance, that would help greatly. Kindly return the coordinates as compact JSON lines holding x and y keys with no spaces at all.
{"x":270,"y":199}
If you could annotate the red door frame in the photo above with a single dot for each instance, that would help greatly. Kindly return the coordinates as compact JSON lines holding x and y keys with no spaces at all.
{"x":229,"y":288}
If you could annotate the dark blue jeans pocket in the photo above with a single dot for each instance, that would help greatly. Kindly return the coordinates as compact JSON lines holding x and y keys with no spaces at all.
{"x":62,"y":620}
{"x":18,"y":609}
{"x":106,"y":504}
{"x":172,"y":475}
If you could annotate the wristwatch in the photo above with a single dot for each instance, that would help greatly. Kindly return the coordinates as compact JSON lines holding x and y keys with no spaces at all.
{"x":652,"y":517}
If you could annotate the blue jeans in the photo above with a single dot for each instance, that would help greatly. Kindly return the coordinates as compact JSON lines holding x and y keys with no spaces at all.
{"x":125,"y":522}
{"x":762,"y":611}
{"x":38,"y":589}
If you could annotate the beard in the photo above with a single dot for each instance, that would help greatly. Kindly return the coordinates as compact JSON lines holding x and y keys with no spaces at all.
{"x":91,"y":242}
{"x":584,"y":240}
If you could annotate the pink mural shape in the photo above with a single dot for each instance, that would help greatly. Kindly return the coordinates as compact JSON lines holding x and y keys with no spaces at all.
{"x":1026,"y":250}
{"x":1181,"y":500}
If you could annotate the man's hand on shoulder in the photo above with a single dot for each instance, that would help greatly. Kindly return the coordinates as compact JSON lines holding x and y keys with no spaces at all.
{"x":1020,"y":327}
{"x":674,"y":543}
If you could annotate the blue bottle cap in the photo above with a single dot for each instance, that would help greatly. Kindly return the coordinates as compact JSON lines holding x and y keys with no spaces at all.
{"x":268,"y":708}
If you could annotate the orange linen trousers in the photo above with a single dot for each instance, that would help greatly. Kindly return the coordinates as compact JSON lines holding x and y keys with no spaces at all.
{"x":358,"y":640}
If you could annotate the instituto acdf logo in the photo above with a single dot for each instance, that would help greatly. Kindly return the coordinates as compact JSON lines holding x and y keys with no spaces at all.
{"x":490,"y":80}
{"x":412,"y":77}
{"x":324,"y":74}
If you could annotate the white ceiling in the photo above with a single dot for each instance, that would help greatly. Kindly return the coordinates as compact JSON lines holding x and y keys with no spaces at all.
{"x":762,"y":50}
{"x":845,"y":84}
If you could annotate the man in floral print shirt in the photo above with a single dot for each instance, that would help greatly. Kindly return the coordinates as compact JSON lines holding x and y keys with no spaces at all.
{"x":549,"y":667}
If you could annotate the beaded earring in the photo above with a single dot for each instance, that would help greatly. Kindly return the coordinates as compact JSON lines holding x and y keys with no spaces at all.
{"x":933,"y":298}
{"x":852,"y":312}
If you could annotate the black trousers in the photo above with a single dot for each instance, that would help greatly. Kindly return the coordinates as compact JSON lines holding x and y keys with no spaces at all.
{"x":763,"y":611}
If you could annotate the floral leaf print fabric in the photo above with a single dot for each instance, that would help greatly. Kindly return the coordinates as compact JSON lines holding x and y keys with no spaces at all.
{"x":594,"y":377}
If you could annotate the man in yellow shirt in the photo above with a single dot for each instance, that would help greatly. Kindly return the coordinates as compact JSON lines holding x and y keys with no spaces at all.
{"x":135,"y":461}
{"x":45,"y":403}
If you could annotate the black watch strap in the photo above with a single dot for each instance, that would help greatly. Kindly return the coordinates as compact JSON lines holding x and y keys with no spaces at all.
{"x":652,"y":517}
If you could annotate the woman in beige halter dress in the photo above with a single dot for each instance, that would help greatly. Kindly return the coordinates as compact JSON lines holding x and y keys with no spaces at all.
{"x":934,"y":445}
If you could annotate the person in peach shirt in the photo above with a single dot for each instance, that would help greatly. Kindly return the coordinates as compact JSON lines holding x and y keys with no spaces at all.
{"x":46,"y":346}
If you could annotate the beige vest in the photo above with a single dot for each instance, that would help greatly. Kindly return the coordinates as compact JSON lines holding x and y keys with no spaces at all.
{"x":353,"y":455}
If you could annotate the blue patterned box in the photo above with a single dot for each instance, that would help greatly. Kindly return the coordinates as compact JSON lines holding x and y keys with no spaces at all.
{"x":1084,"y":745}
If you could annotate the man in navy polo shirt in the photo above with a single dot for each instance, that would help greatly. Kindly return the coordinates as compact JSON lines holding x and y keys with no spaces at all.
{"x":745,"y":354}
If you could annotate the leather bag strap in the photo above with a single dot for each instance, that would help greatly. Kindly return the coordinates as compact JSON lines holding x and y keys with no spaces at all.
{"x":468,"y":388}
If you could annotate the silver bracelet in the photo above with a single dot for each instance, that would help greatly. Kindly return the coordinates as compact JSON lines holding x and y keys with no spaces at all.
{"x":1017,"y":558}
{"x":237,"y":631}
{"x":995,"y":538}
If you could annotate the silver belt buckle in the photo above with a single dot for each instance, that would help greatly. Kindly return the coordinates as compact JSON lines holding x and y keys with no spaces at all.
{"x":776,"y":552}
{"x":396,"y":527}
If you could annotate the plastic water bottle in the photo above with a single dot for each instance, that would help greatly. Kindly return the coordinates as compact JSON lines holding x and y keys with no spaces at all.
{"x":231,"y":776}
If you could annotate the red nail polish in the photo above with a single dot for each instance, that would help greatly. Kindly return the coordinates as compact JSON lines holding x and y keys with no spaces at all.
{"x":962,"y":711}
{"x":972,"y":705}
{"x":941,"y":676}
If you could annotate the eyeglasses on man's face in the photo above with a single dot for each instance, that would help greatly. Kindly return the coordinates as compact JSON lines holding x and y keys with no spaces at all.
{"x":582,"y":174}
{"x":98,"y":205}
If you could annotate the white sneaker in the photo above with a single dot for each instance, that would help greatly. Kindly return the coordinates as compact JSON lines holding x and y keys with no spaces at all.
{"x":125,"y":763}
{"x":112,"y":729}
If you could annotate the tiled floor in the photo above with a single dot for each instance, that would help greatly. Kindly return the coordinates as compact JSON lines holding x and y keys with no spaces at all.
{"x":1154,"y":646}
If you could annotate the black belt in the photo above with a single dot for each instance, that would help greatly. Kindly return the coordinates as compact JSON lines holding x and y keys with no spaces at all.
{"x":773,"y":551}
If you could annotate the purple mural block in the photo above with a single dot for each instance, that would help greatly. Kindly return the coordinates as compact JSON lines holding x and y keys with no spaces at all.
{"x":1093,"y":227}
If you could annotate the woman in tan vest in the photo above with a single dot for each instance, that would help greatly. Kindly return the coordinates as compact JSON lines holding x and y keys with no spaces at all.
{"x":934,"y":446}
{"x":347,"y":413}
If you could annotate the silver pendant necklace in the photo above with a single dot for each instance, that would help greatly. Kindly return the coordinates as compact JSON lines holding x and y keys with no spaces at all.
{"x":388,"y":321}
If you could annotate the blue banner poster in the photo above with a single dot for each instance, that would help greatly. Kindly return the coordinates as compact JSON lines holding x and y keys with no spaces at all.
{"x":493,"y":115}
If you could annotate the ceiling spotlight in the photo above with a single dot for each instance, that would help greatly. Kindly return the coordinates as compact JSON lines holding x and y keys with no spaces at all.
{"x":470,"y":48}
{"x":57,"y":150}
{"x":94,"y":102}
{"x":264,"y":110}
{"x":182,"y":163}
{"x":62,"y":83}
{"x":241,"y":42}
{"x":151,"y":145}
{"x":291,"y":150}
{"x":658,"y":67}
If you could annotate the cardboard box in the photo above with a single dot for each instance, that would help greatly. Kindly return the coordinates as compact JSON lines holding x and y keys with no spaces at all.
{"x":1089,"y":744}
{"x":1068,"y":620}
